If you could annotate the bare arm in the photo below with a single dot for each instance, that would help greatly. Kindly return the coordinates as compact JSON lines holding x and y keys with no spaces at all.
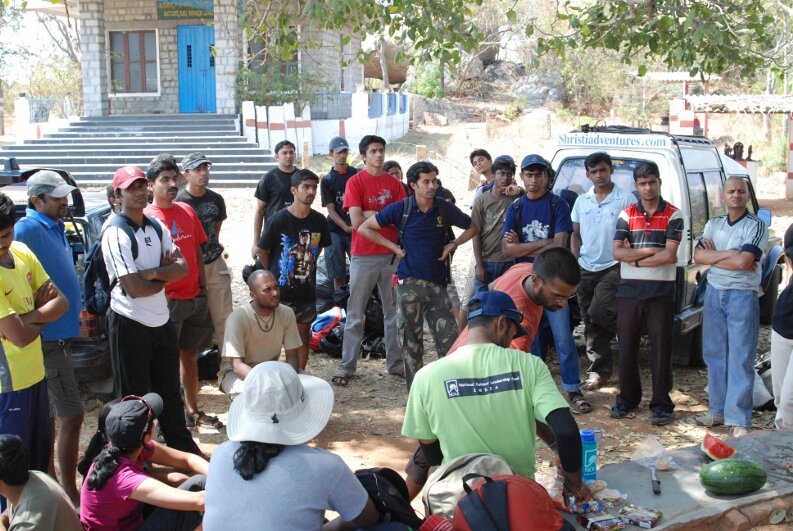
{"x":623,"y":252}
{"x":575,"y":240}
{"x":512,"y":247}
{"x":159,"y":494}
{"x":150,"y":281}
{"x":667,"y":255}
{"x":258,"y":223}
{"x":467,"y":234}
{"x":479,"y":270}
{"x":369,"y":230}
{"x":240,"y":368}
{"x":170,"y":457}
{"x":358,"y":216}
{"x":202,"y":277}
{"x":50,"y":304}
{"x":293,"y":359}
{"x":264,"y":258}
{"x":218,"y":225}
{"x":368,"y":517}
{"x":337,"y":218}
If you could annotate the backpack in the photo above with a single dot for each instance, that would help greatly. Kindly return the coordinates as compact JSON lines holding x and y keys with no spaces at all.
{"x":504,"y":503}
{"x":408,"y":204}
{"x":323,"y":324}
{"x":444,"y":487}
{"x":519,"y":222}
{"x":331,"y":343}
{"x":389,"y":493}
{"x":96,"y":281}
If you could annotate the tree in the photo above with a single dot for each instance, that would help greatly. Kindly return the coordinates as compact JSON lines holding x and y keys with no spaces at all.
{"x":701,"y":36}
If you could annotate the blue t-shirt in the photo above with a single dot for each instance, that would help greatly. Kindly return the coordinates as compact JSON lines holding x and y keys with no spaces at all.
{"x":47,"y":240}
{"x":423,"y":238}
{"x":535,"y":219}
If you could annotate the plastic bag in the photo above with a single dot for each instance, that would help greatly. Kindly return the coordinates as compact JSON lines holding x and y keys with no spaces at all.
{"x":651,"y":454}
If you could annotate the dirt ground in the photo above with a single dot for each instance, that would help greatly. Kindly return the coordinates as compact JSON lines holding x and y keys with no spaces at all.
{"x":366,"y":423}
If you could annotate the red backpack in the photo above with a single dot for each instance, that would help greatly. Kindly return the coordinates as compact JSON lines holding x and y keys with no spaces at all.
{"x":506,"y":503}
{"x":323,"y":324}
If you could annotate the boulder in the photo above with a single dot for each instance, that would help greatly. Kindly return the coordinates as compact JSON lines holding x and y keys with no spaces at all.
{"x":538,"y":89}
{"x":504,"y":72}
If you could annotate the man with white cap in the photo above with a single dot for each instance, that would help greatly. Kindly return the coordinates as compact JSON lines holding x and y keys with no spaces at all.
{"x":141,"y":258}
{"x":274,"y":475}
{"x":43,"y":231}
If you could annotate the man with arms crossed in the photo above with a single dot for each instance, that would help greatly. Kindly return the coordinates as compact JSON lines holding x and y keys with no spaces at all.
{"x":332,"y":189}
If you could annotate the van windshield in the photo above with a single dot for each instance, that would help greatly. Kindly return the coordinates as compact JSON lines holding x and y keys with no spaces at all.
{"x":571,"y":175}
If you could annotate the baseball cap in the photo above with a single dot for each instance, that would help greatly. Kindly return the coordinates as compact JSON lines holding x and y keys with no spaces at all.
{"x":194,"y":160}
{"x":50,"y":183}
{"x":505,"y":158}
{"x":534,"y":160}
{"x":126,"y":423}
{"x":127,"y":175}
{"x":338,"y":144}
{"x":496,"y":303}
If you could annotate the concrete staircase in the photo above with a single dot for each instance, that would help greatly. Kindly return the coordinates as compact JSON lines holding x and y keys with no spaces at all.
{"x":93,"y":148}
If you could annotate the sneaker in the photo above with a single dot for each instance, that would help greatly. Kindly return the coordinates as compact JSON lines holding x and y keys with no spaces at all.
{"x":708,"y":420}
{"x":661,"y":418}
{"x":620,"y":412}
{"x":739,"y":431}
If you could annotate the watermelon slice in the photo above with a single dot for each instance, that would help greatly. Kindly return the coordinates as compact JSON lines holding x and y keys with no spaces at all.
{"x":716,"y":449}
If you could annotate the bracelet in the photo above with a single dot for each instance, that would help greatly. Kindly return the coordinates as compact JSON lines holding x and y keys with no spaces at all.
{"x":636,"y":263}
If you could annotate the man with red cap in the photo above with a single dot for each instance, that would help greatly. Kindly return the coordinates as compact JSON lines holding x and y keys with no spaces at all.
{"x":141,"y":258}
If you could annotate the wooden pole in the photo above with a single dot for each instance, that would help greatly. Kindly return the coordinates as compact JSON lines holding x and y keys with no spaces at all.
{"x":305,"y":153}
{"x":421,"y":152}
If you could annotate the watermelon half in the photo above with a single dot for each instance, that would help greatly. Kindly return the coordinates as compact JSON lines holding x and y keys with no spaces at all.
{"x":717,"y":449}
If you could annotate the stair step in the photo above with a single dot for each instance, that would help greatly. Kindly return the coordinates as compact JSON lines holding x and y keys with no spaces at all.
{"x":144,"y":134}
{"x":159,"y":117}
{"x":172,"y":140}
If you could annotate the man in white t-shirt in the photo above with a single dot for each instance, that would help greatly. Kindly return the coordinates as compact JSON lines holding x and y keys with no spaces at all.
{"x":141,"y":258}
{"x":256,"y":332}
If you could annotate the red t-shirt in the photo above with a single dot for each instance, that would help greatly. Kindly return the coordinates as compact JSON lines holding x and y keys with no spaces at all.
{"x":511,"y":283}
{"x":368,"y":192}
{"x":188,"y":234}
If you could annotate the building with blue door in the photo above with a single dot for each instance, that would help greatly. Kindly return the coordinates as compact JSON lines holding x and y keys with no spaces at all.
{"x":181,"y":56}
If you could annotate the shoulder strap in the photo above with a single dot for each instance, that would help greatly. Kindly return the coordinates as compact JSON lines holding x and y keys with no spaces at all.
{"x":407,"y":207}
{"x":516,"y":209}
{"x":488,"y":512}
{"x":122,"y":222}
{"x":156,"y":224}
{"x":554,"y":203}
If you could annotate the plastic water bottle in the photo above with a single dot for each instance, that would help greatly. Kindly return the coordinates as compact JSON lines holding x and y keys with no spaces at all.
{"x":589,"y":453}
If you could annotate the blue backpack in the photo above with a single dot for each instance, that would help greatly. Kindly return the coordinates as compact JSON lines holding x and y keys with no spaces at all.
{"x":96,"y":282}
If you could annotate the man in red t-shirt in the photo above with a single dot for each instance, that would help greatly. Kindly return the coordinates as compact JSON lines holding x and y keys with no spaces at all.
{"x":548,"y":283}
{"x":368,"y":192}
{"x":187,"y":300}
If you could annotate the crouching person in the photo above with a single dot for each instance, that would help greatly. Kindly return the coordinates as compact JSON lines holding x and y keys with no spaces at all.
{"x":266,"y":476}
{"x":119,"y":494}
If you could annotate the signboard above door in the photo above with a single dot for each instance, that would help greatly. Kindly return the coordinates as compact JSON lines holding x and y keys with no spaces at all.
{"x":192,"y":9}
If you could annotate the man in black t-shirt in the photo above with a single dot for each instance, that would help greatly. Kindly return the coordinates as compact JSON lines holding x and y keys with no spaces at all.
{"x":273,"y":192}
{"x":332,"y":188}
{"x":210,"y":207}
{"x":289,"y":248}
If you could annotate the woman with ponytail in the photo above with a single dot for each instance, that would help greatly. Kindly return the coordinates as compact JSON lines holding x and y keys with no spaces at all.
{"x":266,"y":476}
{"x":118,"y":494}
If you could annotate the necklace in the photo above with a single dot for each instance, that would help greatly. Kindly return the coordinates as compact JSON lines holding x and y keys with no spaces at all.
{"x":267,"y":325}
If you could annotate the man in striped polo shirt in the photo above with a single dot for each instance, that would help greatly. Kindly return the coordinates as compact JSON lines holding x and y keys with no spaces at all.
{"x":648,"y":235}
{"x":732,"y":246}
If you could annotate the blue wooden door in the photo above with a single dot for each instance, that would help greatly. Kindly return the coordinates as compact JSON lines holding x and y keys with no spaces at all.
{"x":196,"y":68}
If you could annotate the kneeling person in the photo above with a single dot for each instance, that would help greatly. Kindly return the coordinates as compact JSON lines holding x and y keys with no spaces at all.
{"x":256,"y":332}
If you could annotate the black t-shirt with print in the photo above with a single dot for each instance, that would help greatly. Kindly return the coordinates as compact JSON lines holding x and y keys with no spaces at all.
{"x":294,"y":245}
{"x":275,"y":189}
{"x":210,"y":209}
{"x":332,"y":189}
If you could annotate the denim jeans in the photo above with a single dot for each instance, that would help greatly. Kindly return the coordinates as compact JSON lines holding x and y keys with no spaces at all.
{"x":559,"y":322}
{"x":729,"y":342}
{"x":493,"y":270}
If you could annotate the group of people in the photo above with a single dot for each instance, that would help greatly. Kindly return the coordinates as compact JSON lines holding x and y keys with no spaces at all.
{"x":170,"y":297}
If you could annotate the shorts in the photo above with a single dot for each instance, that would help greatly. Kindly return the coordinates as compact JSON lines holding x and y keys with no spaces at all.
{"x":64,"y":394}
{"x":26,"y":413}
{"x":336,"y":255}
{"x":193,"y":322}
{"x":305,"y":312}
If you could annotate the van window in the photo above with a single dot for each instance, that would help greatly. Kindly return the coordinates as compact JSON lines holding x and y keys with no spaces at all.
{"x":572,"y":175}
{"x":698,"y":198}
{"x":715,"y":188}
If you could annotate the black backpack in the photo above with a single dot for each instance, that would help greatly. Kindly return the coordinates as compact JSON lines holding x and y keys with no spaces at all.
{"x":389,"y":493}
{"x":96,"y":281}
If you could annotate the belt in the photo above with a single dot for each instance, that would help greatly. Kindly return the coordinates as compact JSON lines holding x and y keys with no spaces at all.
{"x":60,"y":342}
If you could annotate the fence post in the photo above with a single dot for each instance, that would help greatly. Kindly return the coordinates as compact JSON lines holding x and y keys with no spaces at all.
{"x":305,"y":153}
{"x":421,"y":152}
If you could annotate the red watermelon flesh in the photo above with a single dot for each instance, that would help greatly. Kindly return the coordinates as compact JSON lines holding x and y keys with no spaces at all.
{"x":716,"y":449}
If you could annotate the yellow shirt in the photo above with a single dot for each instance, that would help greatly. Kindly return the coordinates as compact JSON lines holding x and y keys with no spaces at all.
{"x":20,"y":367}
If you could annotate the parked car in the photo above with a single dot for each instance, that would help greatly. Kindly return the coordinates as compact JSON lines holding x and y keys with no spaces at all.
{"x":88,"y":211}
{"x":692,"y":175}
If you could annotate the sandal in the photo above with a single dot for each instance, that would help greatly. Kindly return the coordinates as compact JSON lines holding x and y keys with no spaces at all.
{"x":199,"y":418}
{"x":340,"y":379}
{"x":398,"y":373}
{"x":579,"y":404}
{"x":594,"y":381}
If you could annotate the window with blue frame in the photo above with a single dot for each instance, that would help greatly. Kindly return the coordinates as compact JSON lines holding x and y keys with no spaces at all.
{"x":403,"y":103}
{"x":375,"y":105}
{"x":392,"y":103}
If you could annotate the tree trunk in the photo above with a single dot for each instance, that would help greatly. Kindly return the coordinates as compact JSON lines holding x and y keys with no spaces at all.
{"x":384,"y":64}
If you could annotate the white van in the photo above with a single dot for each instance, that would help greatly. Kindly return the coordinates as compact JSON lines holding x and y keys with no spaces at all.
{"x":692,"y":178}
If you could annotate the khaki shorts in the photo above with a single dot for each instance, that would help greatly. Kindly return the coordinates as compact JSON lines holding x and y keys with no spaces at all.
{"x":62,"y":386}
{"x":305,"y":312}
{"x":192,"y":321}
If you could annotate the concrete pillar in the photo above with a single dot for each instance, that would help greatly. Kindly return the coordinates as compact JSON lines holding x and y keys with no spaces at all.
{"x":93,"y":57}
{"x":789,"y":180}
{"x":228,"y":54}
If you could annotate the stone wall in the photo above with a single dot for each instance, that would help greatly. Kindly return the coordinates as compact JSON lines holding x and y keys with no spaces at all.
{"x":326,"y":60}
{"x":93,"y":61}
{"x":228,"y":51}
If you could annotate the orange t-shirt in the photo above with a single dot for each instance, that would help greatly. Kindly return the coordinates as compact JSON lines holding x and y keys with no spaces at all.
{"x":511,"y":283}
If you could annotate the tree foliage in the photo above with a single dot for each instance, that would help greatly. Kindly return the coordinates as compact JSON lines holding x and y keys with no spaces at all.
{"x":700,"y":36}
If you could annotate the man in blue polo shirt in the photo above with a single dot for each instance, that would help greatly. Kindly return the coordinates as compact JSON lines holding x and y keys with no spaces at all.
{"x":42,"y":230}
{"x":423,"y":270}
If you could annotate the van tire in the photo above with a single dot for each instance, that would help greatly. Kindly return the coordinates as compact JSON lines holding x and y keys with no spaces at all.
{"x":769,"y":298}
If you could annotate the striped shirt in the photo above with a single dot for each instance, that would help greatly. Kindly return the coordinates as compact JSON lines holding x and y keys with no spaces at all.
{"x":746,"y":234}
{"x":643,"y":230}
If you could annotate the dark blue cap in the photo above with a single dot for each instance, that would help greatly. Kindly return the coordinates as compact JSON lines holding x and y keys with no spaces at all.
{"x":495,"y":304}
{"x":504,"y":157}
{"x":534,"y":160}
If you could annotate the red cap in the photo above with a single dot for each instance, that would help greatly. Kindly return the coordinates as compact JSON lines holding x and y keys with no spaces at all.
{"x":127,"y":175}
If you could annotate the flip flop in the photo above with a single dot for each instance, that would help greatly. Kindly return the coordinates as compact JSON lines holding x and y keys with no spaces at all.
{"x":579,"y":404}
{"x":340,"y":379}
{"x":200,"y":418}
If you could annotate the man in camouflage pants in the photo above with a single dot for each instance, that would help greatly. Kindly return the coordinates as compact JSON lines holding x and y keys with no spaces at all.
{"x":423,"y":270}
